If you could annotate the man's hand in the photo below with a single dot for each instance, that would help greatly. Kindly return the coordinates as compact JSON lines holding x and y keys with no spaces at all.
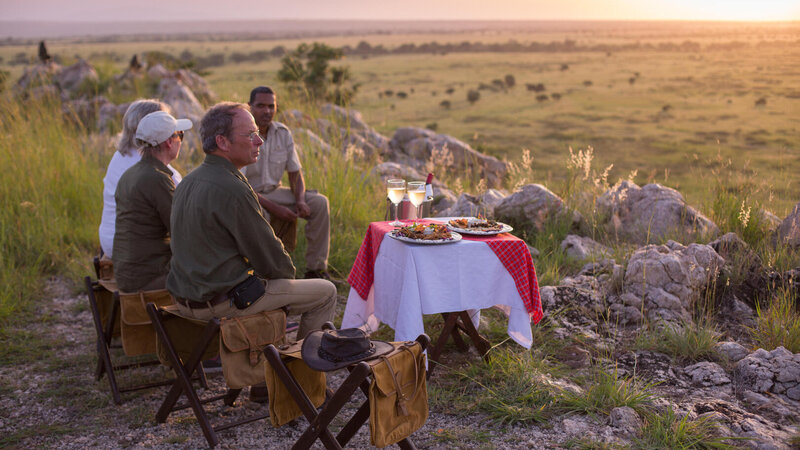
{"x":284,"y":213}
{"x":303,"y":210}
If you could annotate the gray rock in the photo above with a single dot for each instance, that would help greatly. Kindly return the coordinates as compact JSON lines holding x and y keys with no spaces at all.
{"x":74,"y":76}
{"x":789,"y":229}
{"x":471,"y":205}
{"x":626,"y":419}
{"x":350,"y":117}
{"x":776,"y":372}
{"x":581,"y":247}
{"x":37,"y":76}
{"x":531,"y":206}
{"x":652,"y":212}
{"x":733,"y":351}
{"x":707,"y":374}
{"x":157,"y":72}
{"x":669,"y":278}
{"x":181,"y":99}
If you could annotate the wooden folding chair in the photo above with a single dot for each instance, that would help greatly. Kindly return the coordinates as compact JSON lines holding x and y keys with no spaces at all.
{"x":454,"y":324}
{"x":359,"y":377}
{"x":104,"y":303}
{"x":199,"y":341}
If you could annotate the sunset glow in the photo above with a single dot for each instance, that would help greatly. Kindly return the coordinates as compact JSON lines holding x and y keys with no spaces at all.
{"x":144,"y":10}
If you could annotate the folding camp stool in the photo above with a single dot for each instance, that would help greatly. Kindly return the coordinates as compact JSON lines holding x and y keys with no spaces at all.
{"x":205,"y":340}
{"x":359,"y":377}
{"x":454,"y":324}
{"x":104,"y":303}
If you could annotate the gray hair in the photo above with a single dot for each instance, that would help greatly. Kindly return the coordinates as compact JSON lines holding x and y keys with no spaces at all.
{"x":218,"y":121}
{"x":136,"y":111}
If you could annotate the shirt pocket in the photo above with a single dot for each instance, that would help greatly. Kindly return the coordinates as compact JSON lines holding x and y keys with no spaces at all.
{"x":278,"y":157}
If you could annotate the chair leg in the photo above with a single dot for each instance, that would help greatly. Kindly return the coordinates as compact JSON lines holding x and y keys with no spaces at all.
{"x":183,"y":383}
{"x":104,"y":364}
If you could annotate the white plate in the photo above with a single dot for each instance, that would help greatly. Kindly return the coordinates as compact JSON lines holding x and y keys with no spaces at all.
{"x":504,"y":229}
{"x":455,"y":238}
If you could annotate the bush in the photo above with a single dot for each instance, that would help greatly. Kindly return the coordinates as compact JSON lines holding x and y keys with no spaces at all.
{"x":473,"y":96}
{"x":402,"y":94}
{"x":690,"y":342}
{"x":445,"y":104}
{"x":510,"y":80}
{"x":450,"y":90}
{"x":778,"y":324}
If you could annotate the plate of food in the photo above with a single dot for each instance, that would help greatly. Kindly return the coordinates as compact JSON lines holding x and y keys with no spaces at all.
{"x":478,"y":226}
{"x":419,"y":233}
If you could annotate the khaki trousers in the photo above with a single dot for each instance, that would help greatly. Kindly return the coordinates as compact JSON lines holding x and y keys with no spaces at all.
{"x":318,"y":225}
{"x":314,"y":300}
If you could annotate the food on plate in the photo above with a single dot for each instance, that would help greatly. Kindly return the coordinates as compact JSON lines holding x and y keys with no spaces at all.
{"x":476,"y":224}
{"x":425,"y":232}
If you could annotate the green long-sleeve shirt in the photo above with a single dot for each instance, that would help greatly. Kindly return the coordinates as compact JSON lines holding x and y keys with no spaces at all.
{"x":141,"y":236}
{"x":219,"y":234}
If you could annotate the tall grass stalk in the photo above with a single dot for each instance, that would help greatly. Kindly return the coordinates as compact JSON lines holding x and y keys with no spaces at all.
{"x":50,"y":188}
{"x":688,"y":342}
{"x":668,"y":431}
{"x":606,"y":391}
{"x":778,"y":324}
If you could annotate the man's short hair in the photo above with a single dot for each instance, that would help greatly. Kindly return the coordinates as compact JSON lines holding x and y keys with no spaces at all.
{"x":136,"y":111}
{"x":260,"y":90}
{"x":218,"y":121}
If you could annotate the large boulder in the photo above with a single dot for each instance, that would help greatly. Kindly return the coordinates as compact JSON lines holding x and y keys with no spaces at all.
{"x":776,"y":372}
{"x":471,"y":205}
{"x":84,"y":111}
{"x":419,"y":148}
{"x":649,"y":213}
{"x":110,"y":116}
{"x":531,"y":206}
{"x":789,"y":229}
{"x":73,"y":77}
{"x":36,"y":76}
{"x":182,"y":100}
{"x":670,"y":278}
{"x":350,"y":118}
{"x":198,"y":85}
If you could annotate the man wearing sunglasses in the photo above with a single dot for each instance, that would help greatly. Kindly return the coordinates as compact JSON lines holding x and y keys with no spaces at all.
{"x":142,"y":253}
{"x":277,"y":155}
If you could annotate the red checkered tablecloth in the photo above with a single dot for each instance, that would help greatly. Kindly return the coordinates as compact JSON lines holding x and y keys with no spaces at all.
{"x":510,"y":250}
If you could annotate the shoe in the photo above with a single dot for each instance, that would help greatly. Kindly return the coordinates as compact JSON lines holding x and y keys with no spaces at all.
{"x":292,"y":326}
{"x":323,"y":274}
{"x":259,"y":394}
{"x":213,"y":365}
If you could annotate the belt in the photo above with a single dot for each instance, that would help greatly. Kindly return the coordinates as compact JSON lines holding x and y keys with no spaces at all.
{"x":191,"y":304}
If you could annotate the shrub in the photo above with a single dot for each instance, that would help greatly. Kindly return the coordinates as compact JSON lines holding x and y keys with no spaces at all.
{"x":445,"y":104}
{"x":667,"y":431}
{"x":606,"y":391}
{"x":587,"y":83}
{"x":542,"y":97}
{"x":564,"y":67}
{"x":450,"y":90}
{"x":402,"y":94}
{"x":690,"y":342}
{"x":510,"y":80}
{"x":761,"y":101}
{"x":473,"y":96}
{"x":555,"y":96}
{"x":308,"y":74}
{"x":433,"y":126}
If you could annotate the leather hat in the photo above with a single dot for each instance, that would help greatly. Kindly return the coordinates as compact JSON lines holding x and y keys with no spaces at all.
{"x":326,"y":350}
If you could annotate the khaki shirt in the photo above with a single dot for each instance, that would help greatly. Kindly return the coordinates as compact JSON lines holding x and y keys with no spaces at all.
{"x":141,"y":239}
{"x":276,"y":155}
{"x":220,"y":235}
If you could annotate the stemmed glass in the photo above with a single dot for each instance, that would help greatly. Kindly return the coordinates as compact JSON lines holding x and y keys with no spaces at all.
{"x":416,"y":193}
{"x":396,"y":189}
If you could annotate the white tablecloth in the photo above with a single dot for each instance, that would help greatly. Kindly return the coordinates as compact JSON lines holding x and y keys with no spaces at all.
{"x":412,"y":280}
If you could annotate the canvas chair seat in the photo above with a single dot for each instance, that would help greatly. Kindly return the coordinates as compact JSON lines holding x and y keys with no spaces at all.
{"x":361,"y":373}
{"x":107,"y":315}
{"x":182,"y":343}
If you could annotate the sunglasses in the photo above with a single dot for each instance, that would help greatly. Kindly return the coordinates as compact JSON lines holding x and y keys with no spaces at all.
{"x":179,"y":134}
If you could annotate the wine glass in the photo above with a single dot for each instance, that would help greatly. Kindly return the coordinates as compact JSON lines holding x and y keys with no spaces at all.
{"x":416,"y":193}
{"x":396,"y":189}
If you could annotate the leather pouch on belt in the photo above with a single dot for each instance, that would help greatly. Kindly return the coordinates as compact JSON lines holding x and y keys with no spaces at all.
{"x":242,"y":340}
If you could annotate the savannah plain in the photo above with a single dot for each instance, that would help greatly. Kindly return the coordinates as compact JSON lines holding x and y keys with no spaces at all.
{"x":684,"y":104}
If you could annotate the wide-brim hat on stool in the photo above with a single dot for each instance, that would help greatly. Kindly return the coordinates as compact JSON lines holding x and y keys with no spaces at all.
{"x":327,"y":350}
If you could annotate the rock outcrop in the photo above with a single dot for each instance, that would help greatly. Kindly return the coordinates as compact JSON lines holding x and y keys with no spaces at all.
{"x":531,"y":206}
{"x":651,"y":213}
{"x":789,"y":229}
{"x":776,"y":372}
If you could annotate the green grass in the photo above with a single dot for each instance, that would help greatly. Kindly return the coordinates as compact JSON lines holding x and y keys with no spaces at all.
{"x":605,"y":391}
{"x":687,"y":343}
{"x":17,"y":439}
{"x":666,"y":430}
{"x":778,"y":323}
{"x":50,"y":188}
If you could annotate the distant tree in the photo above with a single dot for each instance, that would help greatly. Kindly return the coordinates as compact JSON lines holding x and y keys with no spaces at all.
{"x":402,"y":94}
{"x":450,"y":90}
{"x":307,"y":72}
{"x":473,"y":96}
{"x":510,"y":80}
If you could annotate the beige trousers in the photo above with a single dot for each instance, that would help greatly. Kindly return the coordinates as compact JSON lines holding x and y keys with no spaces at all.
{"x":318,"y":225}
{"x":314,"y":300}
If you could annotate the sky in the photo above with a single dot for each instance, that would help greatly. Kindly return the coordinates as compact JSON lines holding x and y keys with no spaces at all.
{"x":190,"y":10}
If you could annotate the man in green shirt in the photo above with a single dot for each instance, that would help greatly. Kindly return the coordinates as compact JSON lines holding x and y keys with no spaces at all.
{"x":141,"y":250}
{"x":220,"y":238}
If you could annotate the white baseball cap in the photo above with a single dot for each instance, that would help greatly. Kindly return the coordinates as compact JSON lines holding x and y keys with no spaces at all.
{"x":158,"y":126}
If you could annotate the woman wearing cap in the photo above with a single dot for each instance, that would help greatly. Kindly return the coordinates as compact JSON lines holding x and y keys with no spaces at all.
{"x":144,"y":201}
{"x":127,"y":155}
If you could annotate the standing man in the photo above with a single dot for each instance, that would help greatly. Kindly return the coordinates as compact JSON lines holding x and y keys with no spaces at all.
{"x":278,"y":155}
{"x":226,"y":260}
